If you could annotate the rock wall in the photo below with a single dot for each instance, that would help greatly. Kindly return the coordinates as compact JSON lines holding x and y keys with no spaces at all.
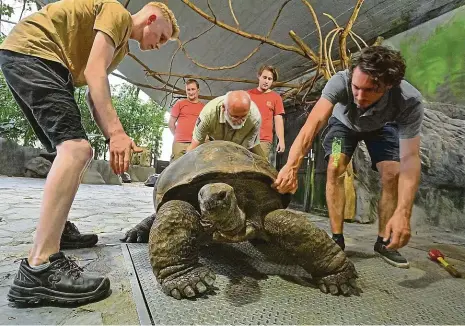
{"x":13,"y":157}
{"x":20,"y":161}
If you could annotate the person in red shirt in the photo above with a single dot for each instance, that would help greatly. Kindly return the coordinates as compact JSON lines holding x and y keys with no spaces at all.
{"x":183,"y":116}
{"x":271,"y":109}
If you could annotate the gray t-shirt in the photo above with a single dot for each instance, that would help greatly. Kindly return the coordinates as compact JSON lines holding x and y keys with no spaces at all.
{"x":401,"y":104}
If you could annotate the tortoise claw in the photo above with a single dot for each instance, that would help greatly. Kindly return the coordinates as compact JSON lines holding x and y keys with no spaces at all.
{"x":193,"y":283}
{"x":340,"y":283}
{"x":139,"y":233}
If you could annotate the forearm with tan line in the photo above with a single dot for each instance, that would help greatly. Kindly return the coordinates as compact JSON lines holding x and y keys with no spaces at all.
{"x":409,"y":176}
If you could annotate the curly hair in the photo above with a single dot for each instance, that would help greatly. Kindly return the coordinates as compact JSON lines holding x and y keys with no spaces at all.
{"x":386,"y":66}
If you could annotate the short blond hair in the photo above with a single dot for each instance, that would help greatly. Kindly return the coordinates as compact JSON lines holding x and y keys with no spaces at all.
{"x":168,"y":15}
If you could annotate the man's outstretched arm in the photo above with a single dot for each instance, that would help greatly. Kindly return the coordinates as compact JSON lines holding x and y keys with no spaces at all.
{"x":121,"y":146}
{"x":286,"y":182}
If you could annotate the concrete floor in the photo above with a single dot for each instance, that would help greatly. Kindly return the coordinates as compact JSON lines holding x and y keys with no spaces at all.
{"x":110,"y":211}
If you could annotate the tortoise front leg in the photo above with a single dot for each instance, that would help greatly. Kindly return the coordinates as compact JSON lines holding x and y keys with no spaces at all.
{"x":174,"y":249}
{"x":312,"y":249}
{"x":140,"y":233}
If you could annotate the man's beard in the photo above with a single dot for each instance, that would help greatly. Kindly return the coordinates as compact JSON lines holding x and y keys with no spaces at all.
{"x":234,"y":126}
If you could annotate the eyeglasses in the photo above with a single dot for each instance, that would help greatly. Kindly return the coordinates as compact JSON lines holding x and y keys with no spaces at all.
{"x":236,"y":118}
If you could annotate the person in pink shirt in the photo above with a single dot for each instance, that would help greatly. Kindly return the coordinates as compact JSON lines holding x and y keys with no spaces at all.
{"x":271,"y":109}
{"x":183,"y":116}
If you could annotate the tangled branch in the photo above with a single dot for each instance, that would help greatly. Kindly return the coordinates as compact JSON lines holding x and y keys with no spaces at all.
{"x":232,"y":66}
{"x":324,"y":65}
{"x":163,"y":89}
{"x":345,"y":33}
{"x":242,"y":33}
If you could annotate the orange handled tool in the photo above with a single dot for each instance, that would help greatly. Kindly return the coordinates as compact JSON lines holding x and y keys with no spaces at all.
{"x":437,"y":256}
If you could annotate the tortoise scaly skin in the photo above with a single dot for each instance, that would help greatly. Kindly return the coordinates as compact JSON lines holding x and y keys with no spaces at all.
{"x":221,"y":192}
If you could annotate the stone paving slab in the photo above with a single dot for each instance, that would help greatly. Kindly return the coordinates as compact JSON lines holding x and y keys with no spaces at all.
{"x":111,"y":210}
{"x":105,"y":209}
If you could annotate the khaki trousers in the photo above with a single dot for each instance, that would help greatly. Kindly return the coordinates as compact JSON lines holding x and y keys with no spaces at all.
{"x":266,"y":147}
{"x":179,"y":149}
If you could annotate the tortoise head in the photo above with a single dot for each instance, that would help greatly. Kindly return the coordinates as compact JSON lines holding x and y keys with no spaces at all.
{"x":218,"y":205}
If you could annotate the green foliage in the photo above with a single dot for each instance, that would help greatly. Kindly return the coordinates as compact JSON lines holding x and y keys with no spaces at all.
{"x":13,"y":124}
{"x":143,"y":122}
{"x":436,"y":66}
{"x":6,"y":10}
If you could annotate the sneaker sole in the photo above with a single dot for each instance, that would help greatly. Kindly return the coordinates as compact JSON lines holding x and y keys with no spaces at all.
{"x":393,"y":263}
{"x":37,"y":295}
{"x":78,"y":245}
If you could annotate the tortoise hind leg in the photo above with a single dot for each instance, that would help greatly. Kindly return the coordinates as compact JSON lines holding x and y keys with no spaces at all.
{"x":312,"y":249}
{"x":174,"y":249}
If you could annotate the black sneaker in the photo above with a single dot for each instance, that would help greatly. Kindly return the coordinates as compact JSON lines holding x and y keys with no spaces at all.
{"x":71,"y":238}
{"x":63,"y":281}
{"x":392,"y":256}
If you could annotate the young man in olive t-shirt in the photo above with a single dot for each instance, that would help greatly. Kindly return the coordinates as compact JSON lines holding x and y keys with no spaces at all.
{"x":66,"y":44}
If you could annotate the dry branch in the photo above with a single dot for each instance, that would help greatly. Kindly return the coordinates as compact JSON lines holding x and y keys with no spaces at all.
{"x":325,"y":66}
{"x":235,"y":65}
{"x":345,"y":33}
{"x":320,"y":48}
{"x":232,"y":13}
{"x":147,"y":69}
{"x":163,"y":89}
{"x":221,"y":79}
{"x":308,"y":52}
{"x":242,"y":33}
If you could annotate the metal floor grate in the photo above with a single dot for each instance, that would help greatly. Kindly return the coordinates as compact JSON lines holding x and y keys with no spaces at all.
{"x":251,"y":290}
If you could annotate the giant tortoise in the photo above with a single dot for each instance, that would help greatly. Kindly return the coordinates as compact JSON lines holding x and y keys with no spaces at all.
{"x":222,"y":192}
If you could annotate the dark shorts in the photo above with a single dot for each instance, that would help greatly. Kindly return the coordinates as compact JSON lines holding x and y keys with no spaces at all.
{"x":44,"y":91}
{"x":382,"y":144}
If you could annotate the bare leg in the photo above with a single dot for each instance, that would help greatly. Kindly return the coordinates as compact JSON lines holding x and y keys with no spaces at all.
{"x":335,"y":194}
{"x":313,"y":249}
{"x":61,"y":186}
{"x":389,"y":171}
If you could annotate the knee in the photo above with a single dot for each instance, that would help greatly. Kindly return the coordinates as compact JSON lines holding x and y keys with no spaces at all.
{"x":334,"y":173}
{"x":79,"y":150}
{"x":389,"y":179}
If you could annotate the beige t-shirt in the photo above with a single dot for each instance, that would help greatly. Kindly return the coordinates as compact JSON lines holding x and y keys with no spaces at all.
{"x":211,"y":122}
{"x":64,"y":32}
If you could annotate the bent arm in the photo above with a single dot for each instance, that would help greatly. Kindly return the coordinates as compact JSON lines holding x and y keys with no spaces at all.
{"x":99,"y":95}
{"x":172,"y":124}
